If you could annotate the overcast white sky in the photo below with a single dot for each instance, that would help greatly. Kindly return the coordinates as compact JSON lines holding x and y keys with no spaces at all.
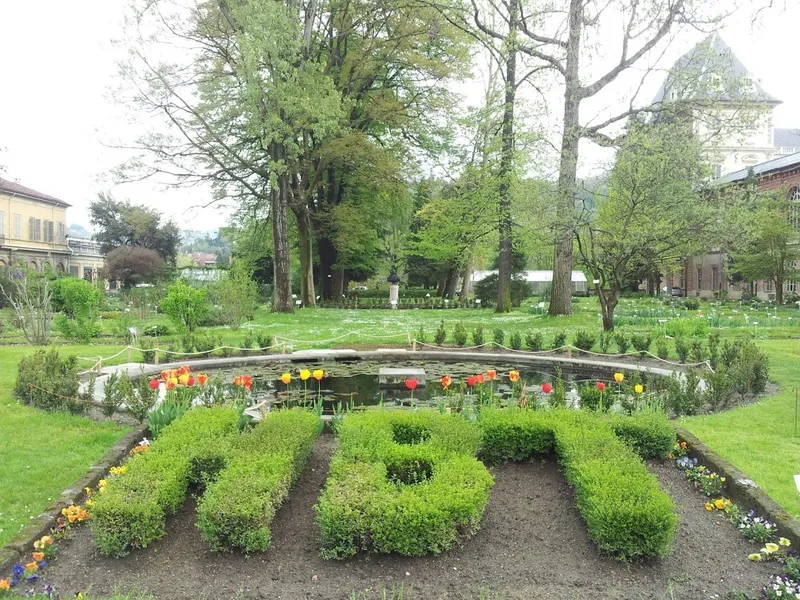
{"x":57,"y":69}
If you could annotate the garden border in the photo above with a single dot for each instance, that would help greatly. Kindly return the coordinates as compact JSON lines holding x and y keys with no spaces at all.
{"x":22,"y":543}
{"x":741,"y":489}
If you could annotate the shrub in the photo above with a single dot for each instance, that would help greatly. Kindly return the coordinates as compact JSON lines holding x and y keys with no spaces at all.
{"x":156,"y":331}
{"x":237,"y":509}
{"x":684,"y":396}
{"x":516,"y":341}
{"x":662,"y":350}
{"x":514,"y":434}
{"x":460,"y":334}
{"x":622,"y":342}
{"x":558,"y":397}
{"x":421,"y":337}
{"x":559,"y":340}
{"x":719,"y":388}
{"x":132,"y":512}
{"x":185,"y":305}
{"x":605,"y":342}
{"x":499,"y":337}
{"x":143,"y":400}
{"x":79,"y":302}
{"x":238,"y":294}
{"x":627,"y":515}
{"x":264,"y":340}
{"x":441,"y":334}
{"x":749,"y":369}
{"x":533,"y":341}
{"x":697,"y":351}
{"x":691,"y":304}
{"x":642,"y":342}
{"x":478,"y":337}
{"x":412,"y":498}
{"x":118,"y":390}
{"x":595,"y":399}
{"x":583,"y":341}
{"x":713,"y":348}
{"x":650,"y":435}
{"x":682,"y":349}
{"x":47,"y":381}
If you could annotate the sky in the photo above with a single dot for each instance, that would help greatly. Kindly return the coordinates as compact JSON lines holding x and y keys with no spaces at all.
{"x":59,"y":116}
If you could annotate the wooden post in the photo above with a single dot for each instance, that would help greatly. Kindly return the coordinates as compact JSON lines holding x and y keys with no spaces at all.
{"x":99,"y":365}
{"x":414,"y":345}
{"x":155,"y":361}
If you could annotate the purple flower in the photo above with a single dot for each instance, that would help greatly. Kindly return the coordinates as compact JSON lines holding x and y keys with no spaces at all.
{"x":14,"y":581}
{"x":32,"y":577}
{"x":42,"y":564}
{"x":18,"y":570}
{"x":49,"y":591}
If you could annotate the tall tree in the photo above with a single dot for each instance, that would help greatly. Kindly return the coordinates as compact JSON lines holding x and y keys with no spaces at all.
{"x":655,"y":210}
{"x":120,"y":223}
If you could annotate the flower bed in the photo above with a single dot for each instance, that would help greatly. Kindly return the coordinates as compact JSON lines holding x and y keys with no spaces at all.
{"x":237,"y":509}
{"x":628,"y":516}
{"x":402,"y":482}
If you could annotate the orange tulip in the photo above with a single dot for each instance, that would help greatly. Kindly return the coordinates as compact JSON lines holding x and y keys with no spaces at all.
{"x":446,"y":381}
{"x":619,"y":377}
{"x":491,"y":374}
{"x":165,"y":374}
{"x":513,"y":376}
{"x":171,"y":383}
{"x":318,"y":374}
{"x":286,"y":378}
{"x":202,"y":378}
{"x":479,"y":378}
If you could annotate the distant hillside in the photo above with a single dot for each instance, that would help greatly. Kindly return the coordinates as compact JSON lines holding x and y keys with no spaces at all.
{"x":80,"y":232}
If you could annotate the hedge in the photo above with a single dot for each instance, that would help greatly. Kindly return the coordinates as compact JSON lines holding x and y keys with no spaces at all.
{"x":237,"y":509}
{"x":627,"y":515}
{"x":405,"y":482}
{"x":132,"y":511}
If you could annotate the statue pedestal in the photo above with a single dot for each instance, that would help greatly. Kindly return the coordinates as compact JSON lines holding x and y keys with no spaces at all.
{"x":394,"y":294}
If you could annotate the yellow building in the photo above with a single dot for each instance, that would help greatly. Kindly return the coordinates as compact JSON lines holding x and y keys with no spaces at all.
{"x":33,"y":232}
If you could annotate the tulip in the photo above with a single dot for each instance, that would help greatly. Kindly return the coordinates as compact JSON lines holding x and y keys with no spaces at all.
{"x":619,"y":377}
{"x":183,"y":378}
{"x":547,"y":388}
{"x":190,"y":382}
{"x":154,"y":383}
{"x":171,"y":384}
{"x":411,"y":384}
{"x":638,"y":388}
{"x":471,"y":381}
{"x":318,"y":374}
{"x":513,"y":376}
{"x":286,"y":378}
{"x":491,"y":374}
{"x":446,"y":381}
{"x":601,"y":386}
{"x":305,"y":374}
{"x":202,"y":378}
{"x":165,"y":374}
{"x":479,"y":378}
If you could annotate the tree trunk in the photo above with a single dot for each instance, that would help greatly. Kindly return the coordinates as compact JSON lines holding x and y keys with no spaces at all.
{"x":452,"y":281}
{"x":466,"y":283}
{"x":279,"y":201}
{"x":561,"y":293}
{"x":307,"y":293}
{"x":607,"y":305}
{"x":327,"y":258}
{"x":779,"y":291}
{"x":338,"y":283}
{"x":507,"y":166}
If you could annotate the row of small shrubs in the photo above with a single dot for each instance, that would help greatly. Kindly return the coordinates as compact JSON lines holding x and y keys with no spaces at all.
{"x":404,"y":482}
{"x":237,"y":509}
{"x":203,"y":344}
{"x":48,"y":381}
{"x":133,"y":510}
{"x":628,"y":516}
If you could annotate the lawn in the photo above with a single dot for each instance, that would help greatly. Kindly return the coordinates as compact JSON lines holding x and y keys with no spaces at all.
{"x":42,"y":453}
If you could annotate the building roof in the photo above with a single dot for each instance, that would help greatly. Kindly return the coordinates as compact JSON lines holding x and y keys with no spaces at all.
{"x":532,"y":276}
{"x":714,"y":57}
{"x":776,"y":164}
{"x":787,"y":138}
{"x":16,"y":189}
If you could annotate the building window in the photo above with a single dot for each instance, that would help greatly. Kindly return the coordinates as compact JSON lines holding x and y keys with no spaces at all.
{"x":714,"y":278}
{"x":699,"y":278}
{"x":35,"y":229}
{"x":48,"y":231}
{"x":73,"y":271}
{"x":87,"y":273}
{"x":61,"y":232}
{"x":768,"y":285}
{"x":17,"y":227}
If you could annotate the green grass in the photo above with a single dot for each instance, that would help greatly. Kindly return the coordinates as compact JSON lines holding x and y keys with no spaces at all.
{"x":42,"y":453}
{"x":759,"y":438}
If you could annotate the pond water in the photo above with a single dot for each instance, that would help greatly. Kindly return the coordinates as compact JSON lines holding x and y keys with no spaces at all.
{"x":359,"y":383}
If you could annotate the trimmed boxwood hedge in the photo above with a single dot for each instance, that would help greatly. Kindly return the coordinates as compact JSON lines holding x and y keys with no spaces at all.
{"x":627,"y":515}
{"x":237,"y":509}
{"x":405,"y":482}
{"x":132,"y":512}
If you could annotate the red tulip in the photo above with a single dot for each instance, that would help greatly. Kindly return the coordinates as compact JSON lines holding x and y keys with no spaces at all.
{"x":190,"y":381}
{"x":471,"y":381}
{"x":601,"y":386}
{"x":154,"y":383}
{"x":171,"y":384}
{"x":479,"y":378}
{"x":411,"y":384}
{"x":547,"y":388}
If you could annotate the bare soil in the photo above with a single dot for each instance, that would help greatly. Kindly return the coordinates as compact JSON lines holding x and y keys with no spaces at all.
{"x":533,"y":544}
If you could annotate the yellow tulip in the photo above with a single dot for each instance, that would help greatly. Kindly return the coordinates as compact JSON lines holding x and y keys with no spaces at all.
{"x":183,"y":379}
{"x":638,"y":388}
{"x":619,"y":377}
{"x":719,"y":503}
{"x":709,"y":506}
{"x":754,"y":556}
{"x":305,"y":374}
{"x":319,"y":374}
{"x":286,"y":378}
